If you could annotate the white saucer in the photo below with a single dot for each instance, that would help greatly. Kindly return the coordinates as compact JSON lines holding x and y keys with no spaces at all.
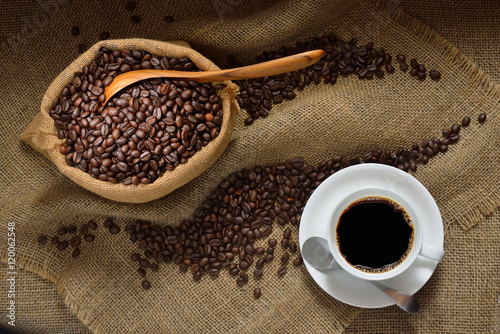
{"x":338,"y":283}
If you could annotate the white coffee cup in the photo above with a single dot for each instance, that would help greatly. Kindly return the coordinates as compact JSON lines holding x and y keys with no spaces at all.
{"x":416,"y":248}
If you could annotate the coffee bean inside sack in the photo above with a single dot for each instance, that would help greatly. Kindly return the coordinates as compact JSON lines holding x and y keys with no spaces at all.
{"x":148,"y":128}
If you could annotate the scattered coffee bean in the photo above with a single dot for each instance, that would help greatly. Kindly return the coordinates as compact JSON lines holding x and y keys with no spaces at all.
{"x":84,"y":229}
{"x":285,"y":257}
{"x":287,"y":233}
{"x":465,"y":121}
{"x":292,"y":246}
{"x":135,"y":257}
{"x":455,"y":128}
{"x":76,"y":252}
{"x":62,"y":231}
{"x":144,"y":263}
{"x":257,"y":273}
{"x":168,"y":19}
{"x":482,"y":118}
{"x":75,"y":31}
{"x":75,"y":241}
{"x":81,"y":48}
{"x":130,"y":6}
{"x":272,"y":242}
{"x":135,"y":18}
{"x":146,"y":285}
{"x":298,"y":261}
{"x":257,"y":293}
{"x":141,"y":272}
{"x":89,"y":237}
{"x":92,"y":225}
{"x":62,"y":245}
{"x":104,"y":35}
{"x":54,"y":241}
{"x":108,"y":223}
{"x":42,"y":239}
{"x":114,"y":229}
{"x":435,"y":75}
{"x":282,"y":271}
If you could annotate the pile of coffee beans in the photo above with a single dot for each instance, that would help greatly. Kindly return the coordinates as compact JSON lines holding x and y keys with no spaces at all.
{"x":150,"y":127}
{"x":226,"y":229}
{"x":341,"y":58}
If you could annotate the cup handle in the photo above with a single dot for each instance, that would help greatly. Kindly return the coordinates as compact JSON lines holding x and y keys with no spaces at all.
{"x":432,"y":253}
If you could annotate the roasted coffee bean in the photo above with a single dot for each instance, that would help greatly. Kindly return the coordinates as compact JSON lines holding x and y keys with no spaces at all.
{"x":272,"y":242}
{"x":89,"y":237}
{"x":292,"y":246}
{"x":108,"y":222}
{"x":141,"y":272}
{"x":153,"y":267}
{"x":482,"y":118}
{"x":282,"y":271}
{"x":62,"y":231}
{"x":54,"y":241}
{"x":84,"y":229}
{"x":76,"y":252}
{"x":104,"y":35}
{"x":298,"y":261}
{"x":285,"y":243}
{"x":257,"y":293}
{"x":135,"y":257}
{"x":287,"y":233}
{"x":285,"y":258}
{"x":144,"y":263}
{"x":42,"y":239}
{"x":465,"y":121}
{"x":92,"y":225}
{"x":435,"y":75}
{"x":75,"y":241}
{"x":135,"y":18}
{"x":75,"y":31}
{"x":257,"y":273}
{"x":62,"y":245}
{"x":455,"y":128}
{"x":243,"y":265}
{"x":72,"y":229}
{"x":81,"y":48}
{"x":114,"y":229}
{"x":168,"y":19}
{"x":146,"y":285}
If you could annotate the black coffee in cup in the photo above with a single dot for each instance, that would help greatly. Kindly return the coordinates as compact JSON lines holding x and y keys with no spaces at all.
{"x":375,"y":234}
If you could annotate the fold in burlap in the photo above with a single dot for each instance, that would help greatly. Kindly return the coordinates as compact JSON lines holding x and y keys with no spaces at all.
{"x":41,"y":133}
{"x":351,"y":118}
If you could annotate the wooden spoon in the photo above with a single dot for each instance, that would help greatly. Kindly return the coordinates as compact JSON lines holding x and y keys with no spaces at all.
{"x":272,"y":67}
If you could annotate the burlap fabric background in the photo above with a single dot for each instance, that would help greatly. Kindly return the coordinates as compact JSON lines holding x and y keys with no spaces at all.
{"x":42,"y":135}
{"x":102,"y":290}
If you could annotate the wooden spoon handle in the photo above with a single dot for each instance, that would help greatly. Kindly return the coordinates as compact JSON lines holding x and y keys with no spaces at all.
{"x":272,"y":67}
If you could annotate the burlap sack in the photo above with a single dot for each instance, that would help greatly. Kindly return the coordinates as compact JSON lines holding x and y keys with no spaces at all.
{"x":41,"y":133}
{"x":101,"y":287}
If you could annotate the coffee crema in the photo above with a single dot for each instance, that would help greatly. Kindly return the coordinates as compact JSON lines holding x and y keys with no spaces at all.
{"x":375,"y":234}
